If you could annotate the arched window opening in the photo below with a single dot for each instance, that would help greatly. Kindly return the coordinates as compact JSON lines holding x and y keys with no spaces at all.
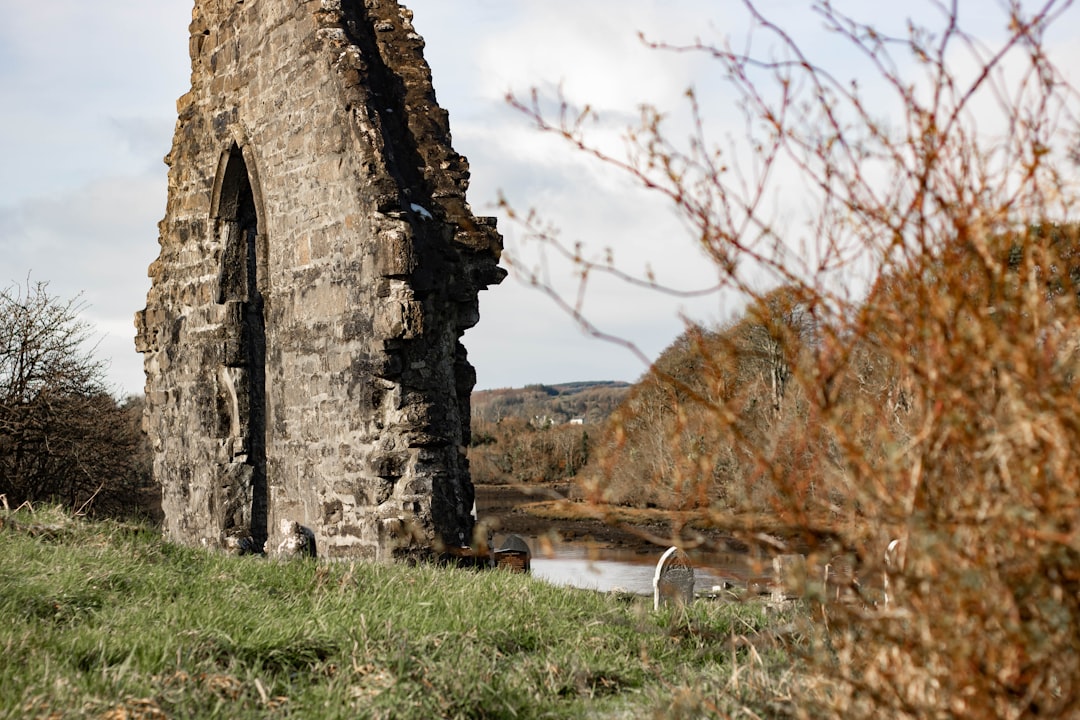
{"x":242,"y":376}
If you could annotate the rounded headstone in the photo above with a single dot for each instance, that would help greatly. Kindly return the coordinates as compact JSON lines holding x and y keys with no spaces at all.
{"x":674,"y":579}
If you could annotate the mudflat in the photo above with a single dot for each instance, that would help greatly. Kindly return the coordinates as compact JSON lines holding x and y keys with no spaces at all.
{"x":509,"y":509}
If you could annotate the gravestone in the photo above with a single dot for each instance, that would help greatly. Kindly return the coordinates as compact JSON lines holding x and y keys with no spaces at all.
{"x":318,"y":267}
{"x":789,"y":577}
{"x":841,"y":579}
{"x":673,"y":581}
{"x":514,"y":554}
{"x":297,"y":541}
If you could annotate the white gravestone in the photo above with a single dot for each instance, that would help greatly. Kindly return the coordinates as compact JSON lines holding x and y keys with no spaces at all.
{"x":674,"y":579}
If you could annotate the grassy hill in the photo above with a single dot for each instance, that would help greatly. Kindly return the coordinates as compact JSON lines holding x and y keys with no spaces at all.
{"x":105,"y":620}
{"x":591,"y":402}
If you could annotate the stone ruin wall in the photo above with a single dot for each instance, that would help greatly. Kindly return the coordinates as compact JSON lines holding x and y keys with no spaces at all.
{"x":318,"y":267}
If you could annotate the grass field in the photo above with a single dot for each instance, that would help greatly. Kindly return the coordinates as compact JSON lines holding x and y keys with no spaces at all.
{"x":106,"y":620}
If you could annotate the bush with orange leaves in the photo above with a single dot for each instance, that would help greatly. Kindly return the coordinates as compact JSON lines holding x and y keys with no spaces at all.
{"x":939,"y":408}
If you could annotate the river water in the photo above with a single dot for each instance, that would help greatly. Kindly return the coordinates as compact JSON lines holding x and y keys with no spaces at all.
{"x":597,"y":566}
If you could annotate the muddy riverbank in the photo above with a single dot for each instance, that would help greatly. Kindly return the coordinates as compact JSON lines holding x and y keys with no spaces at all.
{"x":506,"y":509}
{"x":511,"y":509}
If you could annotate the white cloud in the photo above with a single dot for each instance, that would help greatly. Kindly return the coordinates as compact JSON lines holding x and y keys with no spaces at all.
{"x":592,"y":50}
{"x":69,"y":71}
{"x":600,"y":208}
{"x":94,"y":242}
{"x":89,"y":106}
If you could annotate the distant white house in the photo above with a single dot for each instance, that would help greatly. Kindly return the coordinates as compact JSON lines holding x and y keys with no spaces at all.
{"x":577,"y":421}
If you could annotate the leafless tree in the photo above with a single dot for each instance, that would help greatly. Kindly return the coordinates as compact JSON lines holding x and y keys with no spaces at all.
{"x":63,"y":437}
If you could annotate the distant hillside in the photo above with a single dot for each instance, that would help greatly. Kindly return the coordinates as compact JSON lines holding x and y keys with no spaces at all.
{"x":538,"y":433}
{"x":591,"y":402}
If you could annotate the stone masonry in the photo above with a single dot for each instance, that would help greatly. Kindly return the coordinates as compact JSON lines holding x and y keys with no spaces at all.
{"x":318,"y":267}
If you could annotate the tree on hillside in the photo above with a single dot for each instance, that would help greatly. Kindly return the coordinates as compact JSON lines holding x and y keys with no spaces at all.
{"x":937,"y":410}
{"x":63,"y":437}
{"x":661,"y":447}
{"x":514,"y":450}
{"x":778,"y":327}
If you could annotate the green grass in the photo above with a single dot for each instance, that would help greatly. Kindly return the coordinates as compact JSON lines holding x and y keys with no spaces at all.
{"x":106,"y":620}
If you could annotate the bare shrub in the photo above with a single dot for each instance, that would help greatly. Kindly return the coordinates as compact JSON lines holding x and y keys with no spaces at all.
{"x":63,"y":437}
{"x":938,"y":408}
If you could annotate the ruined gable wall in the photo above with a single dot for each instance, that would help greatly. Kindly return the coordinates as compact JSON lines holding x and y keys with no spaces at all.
{"x":369,"y":264}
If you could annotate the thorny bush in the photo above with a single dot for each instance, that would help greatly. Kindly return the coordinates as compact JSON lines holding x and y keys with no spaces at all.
{"x":937,"y":408}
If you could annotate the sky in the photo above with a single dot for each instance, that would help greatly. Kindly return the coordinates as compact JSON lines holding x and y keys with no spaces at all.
{"x":87,"y":112}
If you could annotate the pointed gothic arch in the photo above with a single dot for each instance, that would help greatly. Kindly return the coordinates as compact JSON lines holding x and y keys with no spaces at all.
{"x":236,"y":218}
